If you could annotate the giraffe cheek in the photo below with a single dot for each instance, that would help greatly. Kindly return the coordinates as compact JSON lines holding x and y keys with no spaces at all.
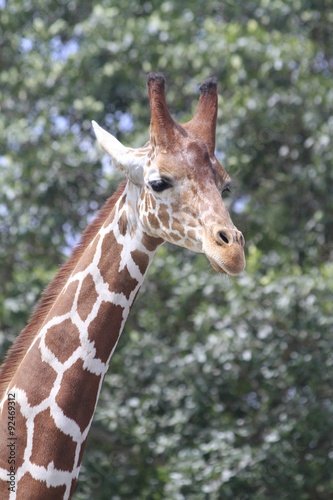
{"x":163,"y":216}
{"x":151,"y":224}
{"x":153,"y":221}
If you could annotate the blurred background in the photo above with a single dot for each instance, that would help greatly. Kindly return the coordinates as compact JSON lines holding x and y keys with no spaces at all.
{"x":220,"y":388}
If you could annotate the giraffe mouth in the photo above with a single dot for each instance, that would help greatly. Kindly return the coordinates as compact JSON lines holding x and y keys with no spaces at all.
{"x":216,"y":267}
{"x":231,"y":267}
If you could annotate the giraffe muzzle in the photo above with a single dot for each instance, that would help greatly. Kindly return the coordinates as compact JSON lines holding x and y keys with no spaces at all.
{"x":225,"y":250}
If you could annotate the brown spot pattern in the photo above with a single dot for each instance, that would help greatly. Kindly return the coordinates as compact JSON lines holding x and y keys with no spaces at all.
{"x":110,"y":257}
{"x":153,"y":221}
{"x":175,"y":237}
{"x":34,"y":368}
{"x":64,"y":334}
{"x":150,"y":243}
{"x":108,"y":320}
{"x":19,"y":444}
{"x":122,"y":201}
{"x":109,"y":266}
{"x":87,"y":297}
{"x":28,"y":483}
{"x":191,"y":234}
{"x":126,"y":283}
{"x":87,"y":257}
{"x":20,"y":423}
{"x":82,"y":450}
{"x":188,"y":243}
{"x":73,"y":486}
{"x":141,"y":260}
{"x":65,"y":301}
{"x":152,"y":202}
{"x":164,"y":215}
{"x":78,"y":380}
{"x":122,"y":224}
{"x":60,"y":449}
{"x":177,"y":226}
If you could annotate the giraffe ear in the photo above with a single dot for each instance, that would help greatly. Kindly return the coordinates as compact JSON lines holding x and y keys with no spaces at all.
{"x":128,"y":160}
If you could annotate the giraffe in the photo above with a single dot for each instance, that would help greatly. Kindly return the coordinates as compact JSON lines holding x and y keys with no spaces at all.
{"x":52,"y":375}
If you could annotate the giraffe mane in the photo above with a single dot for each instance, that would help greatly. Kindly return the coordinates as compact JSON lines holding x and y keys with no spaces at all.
{"x":18,"y":350}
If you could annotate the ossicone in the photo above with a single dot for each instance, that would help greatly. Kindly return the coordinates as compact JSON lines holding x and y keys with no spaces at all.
{"x":155,"y":79}
{"x":163,"y":129}
{"x":209,"y":85}
{"x":165,"y":132}
{"x":203,"y":123}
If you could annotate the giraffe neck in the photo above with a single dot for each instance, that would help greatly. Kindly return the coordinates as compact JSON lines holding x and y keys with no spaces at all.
{"x":57,"y":382}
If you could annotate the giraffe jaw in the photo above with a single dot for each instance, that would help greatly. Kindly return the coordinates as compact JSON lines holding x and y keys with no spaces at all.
{"x":232,"y":268}
{"x":216,"y":267}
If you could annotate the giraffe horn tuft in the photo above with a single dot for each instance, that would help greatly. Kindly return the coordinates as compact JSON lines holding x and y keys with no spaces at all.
{"x":156,"y":77}
{"x":208,"y":85}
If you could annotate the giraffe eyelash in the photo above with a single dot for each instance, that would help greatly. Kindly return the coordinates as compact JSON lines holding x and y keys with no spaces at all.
{"x":159,"y":185}
{"x":227,"y":188}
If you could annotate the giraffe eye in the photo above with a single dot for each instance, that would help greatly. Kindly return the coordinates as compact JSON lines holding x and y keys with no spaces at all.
{"x":159,"y":185}
{"x":226,"y":189}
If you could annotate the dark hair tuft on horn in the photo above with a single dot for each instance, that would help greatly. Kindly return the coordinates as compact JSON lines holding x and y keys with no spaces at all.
{"x":156,"y":77}
{"x":208,"y":84}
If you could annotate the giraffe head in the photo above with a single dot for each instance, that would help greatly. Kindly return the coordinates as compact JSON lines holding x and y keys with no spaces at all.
{"x":177,"y":182}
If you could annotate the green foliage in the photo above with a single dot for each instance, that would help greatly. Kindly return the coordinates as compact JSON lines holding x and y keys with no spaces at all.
{"x":219,"y":388}
{"x":225,"y":397}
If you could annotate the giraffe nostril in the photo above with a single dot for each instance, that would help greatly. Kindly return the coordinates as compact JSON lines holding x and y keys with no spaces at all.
{"x":223,"y":236}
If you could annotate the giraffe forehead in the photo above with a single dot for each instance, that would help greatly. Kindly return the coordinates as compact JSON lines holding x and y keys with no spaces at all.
{"x":154,"y":173}
{"x":190,"y":162}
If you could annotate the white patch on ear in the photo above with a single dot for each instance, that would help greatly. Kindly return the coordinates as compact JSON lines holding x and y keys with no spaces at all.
{"x":128,"y":160}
